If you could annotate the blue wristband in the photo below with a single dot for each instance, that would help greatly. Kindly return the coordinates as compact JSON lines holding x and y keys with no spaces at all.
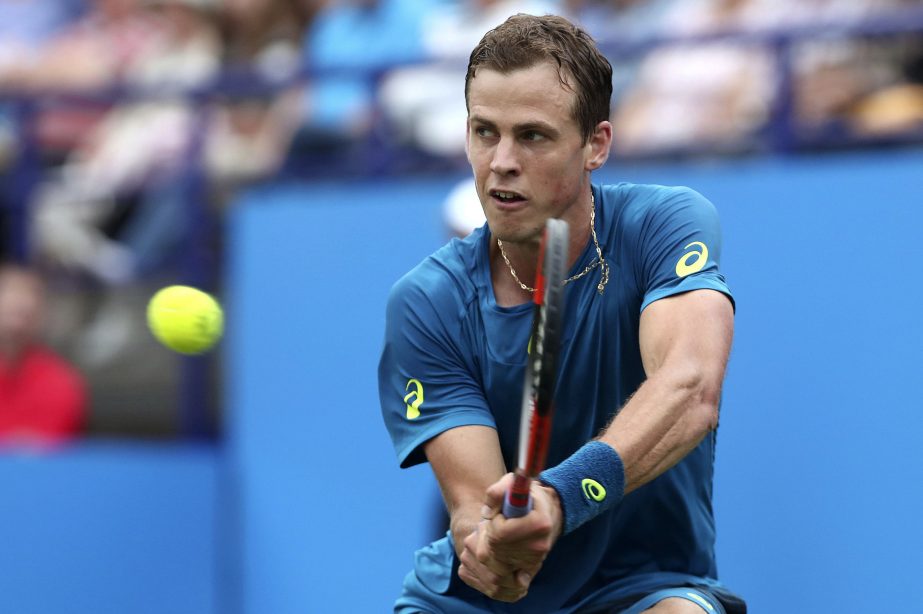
{"x":589,"y":482}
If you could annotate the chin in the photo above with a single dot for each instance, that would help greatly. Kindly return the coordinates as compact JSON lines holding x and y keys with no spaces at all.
{"x":513,"y":235}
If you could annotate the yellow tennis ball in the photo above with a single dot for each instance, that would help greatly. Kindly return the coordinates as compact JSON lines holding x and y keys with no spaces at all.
{"x":185,"y":319}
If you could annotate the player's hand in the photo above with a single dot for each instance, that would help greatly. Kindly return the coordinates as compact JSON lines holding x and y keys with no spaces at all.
{"x":502,"y":555}
{"x":493,"y":578}
{"x":522,"y":543}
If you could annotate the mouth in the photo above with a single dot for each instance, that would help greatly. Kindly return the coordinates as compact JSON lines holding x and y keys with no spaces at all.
{"x":507,"y":199}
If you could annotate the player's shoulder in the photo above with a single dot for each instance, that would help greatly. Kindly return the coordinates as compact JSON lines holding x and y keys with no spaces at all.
{"x":638,"y":200}
{"x":634,"y":212}
{"x":446,"y":278}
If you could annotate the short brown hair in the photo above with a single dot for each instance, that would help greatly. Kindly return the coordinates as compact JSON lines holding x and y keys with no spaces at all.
{"x":522,"y":41}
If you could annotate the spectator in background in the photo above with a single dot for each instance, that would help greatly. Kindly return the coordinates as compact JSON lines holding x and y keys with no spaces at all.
{"x":896,"y":108}
{"x":26,"y":27}
{"x":346,"y":41}
{"x":42,"y":398}
{"x":88,"y":53}
{"x":860,"y":88}
{"x":94,"y":51}
{"x":250,"y":133}
{"x":131,"y":160}
{"x":117,"y":210}
{"x":421,"y":102}
{"x":721,"y":95}
{"x":715,"y":95}
{"x":266,"y":35}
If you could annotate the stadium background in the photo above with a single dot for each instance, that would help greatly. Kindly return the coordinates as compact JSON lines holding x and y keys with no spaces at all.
{"x":261,"y":480}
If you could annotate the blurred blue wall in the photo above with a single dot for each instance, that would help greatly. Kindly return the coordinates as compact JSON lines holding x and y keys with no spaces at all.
{"x":818,"y":492}
{"x":328,"y":522}
{"x":94,"y":528}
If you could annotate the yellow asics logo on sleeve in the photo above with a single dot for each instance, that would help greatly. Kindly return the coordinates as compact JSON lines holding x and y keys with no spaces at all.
{"x":414,"y":398}
{"x":698,"y":259}
{"x":593,"y":490}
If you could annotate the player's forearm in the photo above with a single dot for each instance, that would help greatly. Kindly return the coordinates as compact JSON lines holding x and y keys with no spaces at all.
{"x":665,"y":419}
{"x":466,"y":460}
{"x":462,"y":523}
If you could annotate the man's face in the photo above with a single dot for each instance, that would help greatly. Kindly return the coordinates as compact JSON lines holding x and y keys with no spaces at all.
{"x":526,"y":149}
{"x":21,"y":308}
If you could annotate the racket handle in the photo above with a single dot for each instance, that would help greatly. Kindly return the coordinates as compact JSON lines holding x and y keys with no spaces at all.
{"x":518,"y":499}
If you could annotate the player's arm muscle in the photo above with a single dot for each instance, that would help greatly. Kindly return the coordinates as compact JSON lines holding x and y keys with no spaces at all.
{"x":466,"y":460}
{"x":685,"y":342}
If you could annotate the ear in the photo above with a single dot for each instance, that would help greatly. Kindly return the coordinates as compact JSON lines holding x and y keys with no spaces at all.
{"x":597,"y":148}
{"x":468,"y":140}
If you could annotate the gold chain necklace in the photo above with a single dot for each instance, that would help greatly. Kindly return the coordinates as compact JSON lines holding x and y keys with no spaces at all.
{"x":599,"y":261}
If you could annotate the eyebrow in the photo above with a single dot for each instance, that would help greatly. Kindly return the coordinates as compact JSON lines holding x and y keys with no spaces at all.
{"x":524,"y":127}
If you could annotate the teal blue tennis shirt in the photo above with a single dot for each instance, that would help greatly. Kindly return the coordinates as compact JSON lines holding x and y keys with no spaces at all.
{"x":453,"y":357}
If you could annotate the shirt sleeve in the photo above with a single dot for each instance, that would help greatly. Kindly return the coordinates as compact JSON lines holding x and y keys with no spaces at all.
{"x":426,"y":379}
{"x":680,"y":247}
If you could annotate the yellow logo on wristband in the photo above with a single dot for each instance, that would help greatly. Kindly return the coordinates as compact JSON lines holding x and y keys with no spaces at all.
{"x":593,"y":490}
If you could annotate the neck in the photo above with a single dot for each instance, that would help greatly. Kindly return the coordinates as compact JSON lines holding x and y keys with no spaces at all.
{"x":514,"y":264}
{"x":578,"y":220}
{"x":524,"y":254}
{"x":507,"y":291}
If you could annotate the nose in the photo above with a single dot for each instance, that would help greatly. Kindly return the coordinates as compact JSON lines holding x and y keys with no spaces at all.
{"x":505,"y":160}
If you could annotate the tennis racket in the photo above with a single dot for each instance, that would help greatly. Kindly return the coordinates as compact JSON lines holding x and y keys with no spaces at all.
{"x":541,"y":370}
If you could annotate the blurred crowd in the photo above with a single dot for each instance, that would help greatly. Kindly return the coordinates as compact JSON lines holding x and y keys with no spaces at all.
{"x":110,"y":201}
{"x":138,"y":112}
{"x":808,"y":69}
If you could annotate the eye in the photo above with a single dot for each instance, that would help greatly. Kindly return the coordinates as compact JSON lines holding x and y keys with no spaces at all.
{"x":483,"y":131}
{"x":532,"y":135}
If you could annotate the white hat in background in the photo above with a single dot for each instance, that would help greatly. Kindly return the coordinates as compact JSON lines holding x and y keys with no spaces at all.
{"x":462,"y":209}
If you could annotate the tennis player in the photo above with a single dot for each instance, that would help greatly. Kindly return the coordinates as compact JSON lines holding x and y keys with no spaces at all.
{"x":622,"y":519}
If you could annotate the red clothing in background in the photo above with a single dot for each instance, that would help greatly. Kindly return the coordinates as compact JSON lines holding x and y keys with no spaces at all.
{"x":42,"y":397}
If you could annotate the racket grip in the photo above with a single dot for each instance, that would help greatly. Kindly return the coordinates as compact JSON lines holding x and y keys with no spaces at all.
{"x":518,"y":499}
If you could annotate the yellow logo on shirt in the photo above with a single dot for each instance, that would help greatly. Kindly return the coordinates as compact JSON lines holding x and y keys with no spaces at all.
{"x":693,"y":260}
{"x":593,"y":490}
{"x":414,"y":398}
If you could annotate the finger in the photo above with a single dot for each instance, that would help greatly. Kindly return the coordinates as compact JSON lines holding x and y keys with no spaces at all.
{"x":480,"y":576}
{"x":548,"y":504}
{"x":493,"y":496}
{"x":519,"y":539}
{"x":504,"y":551}
{"x":488,"y":512}
{"x":482,"y":550}
{"x":524,"y":579}
{"x":494,"y":591}
{"x":509,"y":596}
{"x":500,"y":568}
{"x":509,"y":565}
{"x":536,"y":525}
{"x":509,"y":550}
{"x":471,"y":541}
{"x":467,"y":575}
